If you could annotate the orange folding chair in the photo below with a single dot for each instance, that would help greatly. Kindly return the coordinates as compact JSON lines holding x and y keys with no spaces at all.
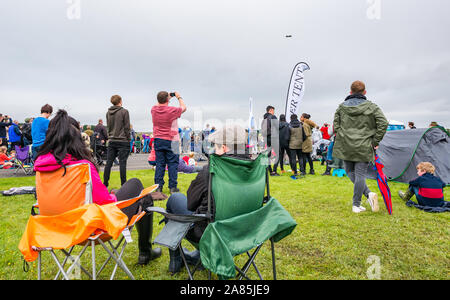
{"x":68,"y":218}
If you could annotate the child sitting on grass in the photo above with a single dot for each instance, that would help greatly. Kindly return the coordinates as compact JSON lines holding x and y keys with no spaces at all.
{"x":5,"y":161}
{"x":428,"y":189}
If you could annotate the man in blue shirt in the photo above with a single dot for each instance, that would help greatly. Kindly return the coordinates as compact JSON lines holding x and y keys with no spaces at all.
{"x":39,"y":128}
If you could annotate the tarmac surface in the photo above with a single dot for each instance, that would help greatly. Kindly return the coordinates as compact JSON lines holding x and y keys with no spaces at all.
{"x":134,"y":162}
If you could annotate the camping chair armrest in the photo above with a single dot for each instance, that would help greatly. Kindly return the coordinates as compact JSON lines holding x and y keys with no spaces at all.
{"x":194,"y":218}
{"x":35,"y":206}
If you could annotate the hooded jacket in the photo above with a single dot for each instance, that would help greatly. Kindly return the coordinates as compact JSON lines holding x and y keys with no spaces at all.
{"x":359,"y":126}
{"x":100,"y":194}
{"x":297,"y":135}
{"x":308,"y":125}
{"x":285,"y":134}
{"x":118,"y":121}
{"x":270,"y":121}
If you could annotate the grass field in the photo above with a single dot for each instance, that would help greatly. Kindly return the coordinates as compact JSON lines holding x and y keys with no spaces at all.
{"x":329,"y":242}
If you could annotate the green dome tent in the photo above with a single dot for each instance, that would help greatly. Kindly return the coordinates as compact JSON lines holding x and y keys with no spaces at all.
{"x":401,"y":151}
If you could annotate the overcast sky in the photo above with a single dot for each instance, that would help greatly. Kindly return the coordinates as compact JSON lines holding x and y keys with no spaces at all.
{"x":218,"y":54}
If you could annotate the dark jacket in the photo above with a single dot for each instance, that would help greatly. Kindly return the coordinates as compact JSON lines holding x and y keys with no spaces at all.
{"x":297,"y":135}
{"x":3,"y":126}
{"x":26,"y":132}
{"x":270,"y":121}
{"x":118,"y":121}
{"x":285,"y":134}
{"x":101,"y":130}
{"x":430,"y":190}
{"x":359,"y":126}
{"x":197,"y":199}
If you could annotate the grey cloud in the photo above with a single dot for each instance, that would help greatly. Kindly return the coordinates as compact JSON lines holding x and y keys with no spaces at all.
{"x":220,"y":53}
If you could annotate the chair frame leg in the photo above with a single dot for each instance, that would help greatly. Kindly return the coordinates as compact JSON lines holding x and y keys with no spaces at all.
{"x":185,"y":262}
{"x":94,"y":274}
{"x":109,"y":257}
{"x":249,"y":263}
{"x":118,"y":261}
{"x":272,"y":244}
{"x":55,"y":258}
{"x":39,"y":265}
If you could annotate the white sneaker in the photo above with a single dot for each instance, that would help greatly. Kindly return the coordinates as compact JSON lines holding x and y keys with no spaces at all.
{"x":357,"y":209}
{"x":373,"y":201}
{"x":362,"y":208}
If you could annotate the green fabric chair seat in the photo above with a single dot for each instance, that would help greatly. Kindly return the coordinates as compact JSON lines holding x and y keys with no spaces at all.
{"x":222,"y":240}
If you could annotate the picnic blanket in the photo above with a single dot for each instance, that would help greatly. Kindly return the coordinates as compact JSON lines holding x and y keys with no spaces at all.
{"x":444,"y":208}
{"x":19,"y":191}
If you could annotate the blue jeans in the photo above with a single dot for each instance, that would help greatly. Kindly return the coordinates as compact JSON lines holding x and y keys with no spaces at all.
{"x":166,"y":155}
{"x":35,"y":150}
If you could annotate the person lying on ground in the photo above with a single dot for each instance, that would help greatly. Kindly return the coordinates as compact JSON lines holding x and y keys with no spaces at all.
{"x":64,"y":146}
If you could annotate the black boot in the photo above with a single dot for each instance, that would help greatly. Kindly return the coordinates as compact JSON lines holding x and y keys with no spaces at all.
{"x":176,"y":261}
{"x":145,"y":231}
{"x":327,"y":171}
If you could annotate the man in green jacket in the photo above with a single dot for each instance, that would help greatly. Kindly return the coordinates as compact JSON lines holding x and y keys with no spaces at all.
{"x":359,"y":126}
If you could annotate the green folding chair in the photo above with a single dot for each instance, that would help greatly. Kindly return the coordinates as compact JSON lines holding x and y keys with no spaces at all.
{"x":242,"y":217}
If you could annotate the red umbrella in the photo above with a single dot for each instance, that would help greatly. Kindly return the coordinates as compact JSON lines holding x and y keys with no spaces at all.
{"x":382,"y":184}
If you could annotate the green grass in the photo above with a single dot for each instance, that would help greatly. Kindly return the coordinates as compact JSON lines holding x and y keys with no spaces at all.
{"x":330,"y":242}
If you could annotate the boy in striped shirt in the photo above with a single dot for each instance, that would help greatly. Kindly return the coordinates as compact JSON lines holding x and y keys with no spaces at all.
{"x":428,"y":189}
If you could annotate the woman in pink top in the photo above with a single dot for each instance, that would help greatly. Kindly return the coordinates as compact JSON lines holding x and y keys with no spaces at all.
{"x":64,"y":146}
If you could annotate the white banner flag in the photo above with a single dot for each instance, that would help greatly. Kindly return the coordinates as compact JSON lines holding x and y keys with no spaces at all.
{"x":296,"y":90}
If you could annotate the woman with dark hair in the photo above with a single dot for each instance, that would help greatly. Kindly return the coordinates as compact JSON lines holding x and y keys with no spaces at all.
{"x":297,"y":137}
{"x":307,"y":146}
{"x":64,"y":146}
{"x":285,"y":136}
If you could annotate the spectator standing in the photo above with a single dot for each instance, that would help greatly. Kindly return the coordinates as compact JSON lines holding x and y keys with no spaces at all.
{"x":27,"y":139}
{"x":359,"y":126}
{"x":89,"y":131}
{"x":167,"y":139}
{"x":297,"y":136}
{"x":186,"y":139}
{"x":132,"y":138}
{"x":15,"y":135}
{"x":118,"y":124}
{"x":269,"y":128}
{"x":324,"y":130}
{"x":307,"y":146}
{"x":285,"y":135}
{"x":411,"y":125}
{"x":5,"y":121}
{"x":102,"y":133}
{"x":39,"y":128}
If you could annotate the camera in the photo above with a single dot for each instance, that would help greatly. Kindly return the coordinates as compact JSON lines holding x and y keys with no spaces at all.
{"x":172,"y":94}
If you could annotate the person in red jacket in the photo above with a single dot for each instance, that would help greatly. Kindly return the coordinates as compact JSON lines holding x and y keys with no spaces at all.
{"x":324,"y":130}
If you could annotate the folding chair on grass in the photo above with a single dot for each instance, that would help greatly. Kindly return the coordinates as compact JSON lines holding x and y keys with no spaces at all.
{"x":23,"y":160}
{"x":242,"y":218}
{"x":68,"y":218}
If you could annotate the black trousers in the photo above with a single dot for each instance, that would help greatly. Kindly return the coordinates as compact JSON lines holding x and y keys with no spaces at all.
{"x":297,"y":154}
{"x":280,"y":161}
{"x":132,"y":188}
{"x":307,"y":157}
{"x":122,"y":150}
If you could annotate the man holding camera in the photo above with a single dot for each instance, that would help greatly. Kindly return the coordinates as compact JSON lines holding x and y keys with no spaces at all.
{"x":5,"y":121}
{"x":167,"y":139}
